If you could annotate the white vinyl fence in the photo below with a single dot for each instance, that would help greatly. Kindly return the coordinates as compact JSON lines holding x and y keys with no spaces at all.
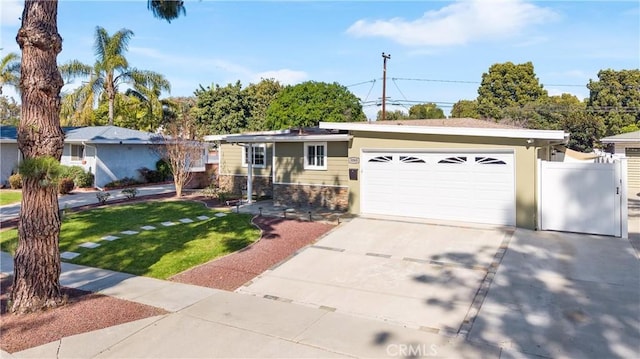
{"x":583,"y":197}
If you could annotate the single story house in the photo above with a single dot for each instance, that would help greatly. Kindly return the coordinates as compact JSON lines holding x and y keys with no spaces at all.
{"x":628,"y":145}
{"x":109,"y":152}
{"x":452,"y":169}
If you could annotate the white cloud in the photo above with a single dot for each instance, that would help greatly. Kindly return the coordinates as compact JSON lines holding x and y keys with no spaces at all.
{"x":232,"y":70}
{"x":459,"y":23}
{"x":11,"y":12}
{"x":285,"y":76}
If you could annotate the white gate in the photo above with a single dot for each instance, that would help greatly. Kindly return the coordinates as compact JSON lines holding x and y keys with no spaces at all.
{"x":583,"y":197}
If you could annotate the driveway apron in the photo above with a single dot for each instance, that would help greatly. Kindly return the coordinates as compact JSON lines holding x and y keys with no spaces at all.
{"x":416,"y":275}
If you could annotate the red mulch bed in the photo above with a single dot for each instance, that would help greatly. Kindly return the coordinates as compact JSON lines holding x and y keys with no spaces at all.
{"x":281,"y":238}
{"x":86,"y":311}
{"x":83,"y":312}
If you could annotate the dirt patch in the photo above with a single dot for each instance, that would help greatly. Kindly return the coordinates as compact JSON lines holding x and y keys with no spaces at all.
{"x":281,"y":238}
{"x":83,"y":313}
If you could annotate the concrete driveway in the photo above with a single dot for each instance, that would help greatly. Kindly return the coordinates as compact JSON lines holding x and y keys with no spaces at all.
{"x":564,"y":295}
{"x":416,"y":275}
{"x":525,"y":293}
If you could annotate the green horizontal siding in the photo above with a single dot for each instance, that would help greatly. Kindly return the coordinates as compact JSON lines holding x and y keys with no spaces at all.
{"x":290,"y":165}
{"x":231,"y":161}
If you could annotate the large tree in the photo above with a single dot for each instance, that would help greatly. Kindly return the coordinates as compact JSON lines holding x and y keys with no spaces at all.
{"x":396,"y":115}
{"x":506,"y":88}
{"x":426,"y":111}
{"x":222,"y":109}
{"x":10,"y":71}
{"x":308,"y":103}
{"x":110,"y":70}
{"x":465,"y":109}
{"x":615,"y":98}
{"x":36,"y":282}
{"x":260,"y":96}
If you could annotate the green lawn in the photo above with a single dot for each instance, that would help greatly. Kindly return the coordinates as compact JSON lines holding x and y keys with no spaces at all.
{"x":8,"y":196}
{"x":158,"y":253}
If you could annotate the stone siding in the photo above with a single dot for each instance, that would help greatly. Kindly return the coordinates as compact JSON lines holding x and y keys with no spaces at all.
{"x":262,"y":186}
{"x":334,"y":198}
{"x":203,"y":179}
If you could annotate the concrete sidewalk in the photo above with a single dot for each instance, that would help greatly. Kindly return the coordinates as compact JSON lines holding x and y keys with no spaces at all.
{"x":78,"y":199}
{"x":208,"y":323}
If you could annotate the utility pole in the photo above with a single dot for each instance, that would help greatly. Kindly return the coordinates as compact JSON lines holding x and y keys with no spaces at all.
{"x":385,"y":57}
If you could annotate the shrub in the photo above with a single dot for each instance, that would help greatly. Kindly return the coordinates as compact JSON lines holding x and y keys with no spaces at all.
{"x":102,"y":197}
{"x":127,"y":181}
{"x":15,"y":181}
{"x":130,"y":193}
{"x":84,"y":180}
{"x":65,"y":185}
{"x":151,"y":176}
{"x":71,"y":172}
{"x":165,"y":170}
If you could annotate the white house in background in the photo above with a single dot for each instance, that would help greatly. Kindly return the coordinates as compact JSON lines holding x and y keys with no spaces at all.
{"x":109,"y":152}
{"x":9,"y":154}
{"x":628,"y":145}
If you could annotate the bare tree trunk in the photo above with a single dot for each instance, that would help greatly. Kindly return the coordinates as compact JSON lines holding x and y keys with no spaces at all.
{"x":112,"y":99}
{"x":36,"y":282}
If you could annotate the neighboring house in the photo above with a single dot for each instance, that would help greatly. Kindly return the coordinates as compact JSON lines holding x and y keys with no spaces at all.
{"x":109,"y":152}
{"x":628,"y":145}
{"x":451,"y":169}
{"x":10,"y":156}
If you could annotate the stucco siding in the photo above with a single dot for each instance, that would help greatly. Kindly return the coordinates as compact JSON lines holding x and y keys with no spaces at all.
{"x":231,"y":161}
{"x":290,"y":165}
{"x":9,"y":160}
{"x":525,"y":163}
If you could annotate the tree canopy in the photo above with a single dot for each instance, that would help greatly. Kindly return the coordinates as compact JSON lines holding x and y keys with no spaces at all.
{"x":465,"y":109}
{"x":222,"y":110}
{"x":615,"y":98}
{"x":259,"y":97}
{"x":426,"y":111}
{"x":110,"y":71}
{"x":10,"y":71}
{"x":308,"y":103}
{"x":508,"y":86}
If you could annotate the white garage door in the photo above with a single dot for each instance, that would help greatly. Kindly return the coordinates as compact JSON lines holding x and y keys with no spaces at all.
{"x":463,"y":186}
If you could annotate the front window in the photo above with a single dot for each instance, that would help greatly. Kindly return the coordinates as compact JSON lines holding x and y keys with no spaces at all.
{"x":77,"y":152}
{"x":259,"y":155}
{"x":315,"y":156}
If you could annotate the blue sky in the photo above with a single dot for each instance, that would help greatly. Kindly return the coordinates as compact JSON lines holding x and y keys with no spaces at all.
{"x":452,"y":42}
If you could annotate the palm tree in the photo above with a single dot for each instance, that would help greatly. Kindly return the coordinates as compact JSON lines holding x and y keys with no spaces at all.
{"x":36,"y":280}
{"x":10,"y":71}
{"x":147,"y":88}
{"x":109,"y":72}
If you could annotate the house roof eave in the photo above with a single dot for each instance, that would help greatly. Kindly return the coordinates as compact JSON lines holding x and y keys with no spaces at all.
{"x":551,"y":135}
{"x":280,"y":139}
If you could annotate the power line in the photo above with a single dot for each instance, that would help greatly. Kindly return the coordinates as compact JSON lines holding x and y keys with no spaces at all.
{"x":457,"y":82}
{"x":362,"y":83}
{"x":371,"y":88}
